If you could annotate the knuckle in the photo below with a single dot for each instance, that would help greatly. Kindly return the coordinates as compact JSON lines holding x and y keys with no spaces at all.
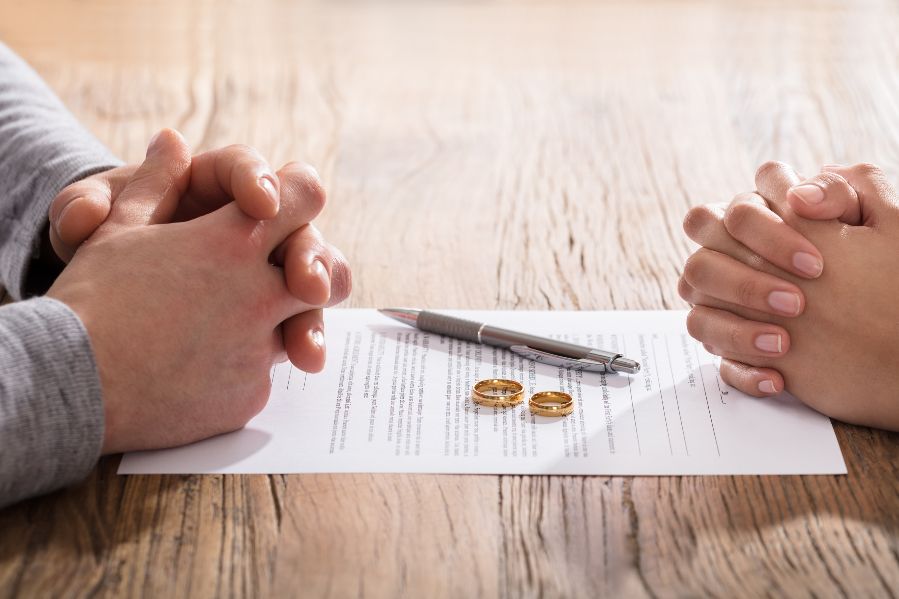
{"x":685,"y":290}
{"x":747,"y":293}
{"x":696,"y":324}
{"x":867,"y":170}
{"x":694,"y":269}
{"x":698,"y":219}
{"x":738,"y":218}
{"x":341,"y":280}
{"x":768,"y":167}
{"x":755,"y":261}
{"x":308,"y":183}
{"x":315,"y":189}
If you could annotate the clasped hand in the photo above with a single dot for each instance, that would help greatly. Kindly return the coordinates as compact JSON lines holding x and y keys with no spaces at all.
{"x":192,"y":277}
{"x":795,"y":287}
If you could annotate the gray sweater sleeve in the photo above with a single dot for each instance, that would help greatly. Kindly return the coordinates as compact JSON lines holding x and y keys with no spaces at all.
{"x":51,"y":409}
{"x":51,"y":413}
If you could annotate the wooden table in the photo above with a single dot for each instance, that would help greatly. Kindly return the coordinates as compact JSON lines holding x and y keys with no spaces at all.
{"x":481,"y":155}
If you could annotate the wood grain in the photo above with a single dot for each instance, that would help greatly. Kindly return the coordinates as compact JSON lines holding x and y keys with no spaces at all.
{"x":481,"y":155}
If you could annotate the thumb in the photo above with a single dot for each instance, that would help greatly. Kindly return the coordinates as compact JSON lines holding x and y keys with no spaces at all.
{"x":877,"y":198}
{"x":826,"y":196}
{"x":76,"y":213}
{"x":82,"y":207}
{"x":152,"y":194}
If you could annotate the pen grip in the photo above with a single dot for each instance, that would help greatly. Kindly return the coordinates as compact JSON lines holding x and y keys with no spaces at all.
{"x":449,"y":326}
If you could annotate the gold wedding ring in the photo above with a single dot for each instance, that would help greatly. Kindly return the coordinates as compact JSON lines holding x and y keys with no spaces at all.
{"x":497,"y":393}
{"x":551,"y":403}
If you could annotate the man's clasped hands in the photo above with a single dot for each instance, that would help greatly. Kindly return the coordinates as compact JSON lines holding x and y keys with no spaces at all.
{"x":193,"y":275}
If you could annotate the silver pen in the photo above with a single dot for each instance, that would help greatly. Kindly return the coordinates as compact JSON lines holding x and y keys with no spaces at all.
{"x":532,"y":347}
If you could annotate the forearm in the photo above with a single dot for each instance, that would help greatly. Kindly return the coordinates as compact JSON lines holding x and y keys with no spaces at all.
{"x":42,"y":149}
{"x":51,"y":405}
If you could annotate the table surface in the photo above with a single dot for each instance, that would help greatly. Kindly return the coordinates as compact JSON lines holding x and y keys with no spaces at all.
{"x":509,"y":155}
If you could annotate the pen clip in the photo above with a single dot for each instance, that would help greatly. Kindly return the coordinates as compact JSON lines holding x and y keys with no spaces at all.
{"x":543,"y":357}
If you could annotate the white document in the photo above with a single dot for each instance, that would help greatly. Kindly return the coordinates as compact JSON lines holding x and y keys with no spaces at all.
{"x":395,"y":399}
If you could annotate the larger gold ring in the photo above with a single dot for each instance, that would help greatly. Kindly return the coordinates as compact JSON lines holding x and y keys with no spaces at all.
{"x":551,"y":403}
{"x":497,"y":393}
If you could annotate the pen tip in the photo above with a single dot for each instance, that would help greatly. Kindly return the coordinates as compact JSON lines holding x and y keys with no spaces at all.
{"x":405,"y":315}
{"x":622,"y":364}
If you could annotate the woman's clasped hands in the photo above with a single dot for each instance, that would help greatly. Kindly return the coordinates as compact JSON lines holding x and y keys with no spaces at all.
{"x":796,"y":286}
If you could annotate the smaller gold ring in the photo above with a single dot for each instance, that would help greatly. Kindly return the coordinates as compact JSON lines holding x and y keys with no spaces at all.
{"x":497,"y":393}
{"x":551,"y":403}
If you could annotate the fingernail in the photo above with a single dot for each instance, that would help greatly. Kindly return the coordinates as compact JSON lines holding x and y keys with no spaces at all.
{"x":810,"y":194}
{"x":808,"y":263}
{"x":785,"y":302}
{"x":62,"y":215}
{"x":770,"y":343}
{"x":268,"y":186}
{"x":767,"y":386}
{"x":319,"y":270}
{"x":318,"y":337}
